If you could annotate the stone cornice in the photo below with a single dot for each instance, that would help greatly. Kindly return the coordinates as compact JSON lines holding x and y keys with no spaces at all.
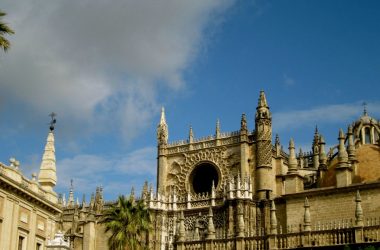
{"x":7,"y":183}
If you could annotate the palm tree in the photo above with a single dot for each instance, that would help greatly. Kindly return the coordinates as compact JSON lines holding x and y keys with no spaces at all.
{"x":129,"y":222}
{"x":4,"y":29}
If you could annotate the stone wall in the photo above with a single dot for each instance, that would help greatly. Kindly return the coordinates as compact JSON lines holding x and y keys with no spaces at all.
{"x":331,"y":205}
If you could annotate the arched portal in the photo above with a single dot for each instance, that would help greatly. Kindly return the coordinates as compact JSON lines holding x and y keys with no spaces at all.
{"x":202,"y":176}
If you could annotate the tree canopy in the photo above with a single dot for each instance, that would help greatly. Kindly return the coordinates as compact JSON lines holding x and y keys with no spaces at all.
{"x":129,"y":222}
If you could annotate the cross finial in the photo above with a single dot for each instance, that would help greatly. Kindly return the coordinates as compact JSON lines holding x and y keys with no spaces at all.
{"x":364,"y":108}
{"x":53,"y":120}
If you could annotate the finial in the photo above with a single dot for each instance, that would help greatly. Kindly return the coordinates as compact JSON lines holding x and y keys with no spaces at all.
{"x":316,"y":137}
{"x":358,"y":210}
{"x":292,"y":157}
{"x":277,"y":140}
{"x":306,"y":218}
{"x":34,"y":176}
{"x":162,"y":129}
{"x":210,"y":227}
{"x":53,"y":120}
{"x":217,"y":128}
{"x":273,"y":218}
{"x":262,"y":99}
{"x":300,"y":152}
{"x":191,"y":135}
{"x":163,"y":119}
{"x":342,"y":153}
{"x":243,"y":123}
{"x":322,"y":154}
{"x":365,"y":109}
{"x":83,"y":200}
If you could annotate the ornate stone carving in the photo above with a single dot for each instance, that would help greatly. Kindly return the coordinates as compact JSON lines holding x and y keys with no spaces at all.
{"x":179,"y":172}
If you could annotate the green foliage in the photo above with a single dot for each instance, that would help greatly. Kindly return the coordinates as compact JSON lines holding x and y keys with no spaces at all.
{"x":129,"y":223}
{"x":347,"y":247}
{"x":370,"y":248}
{"x":4,"y":30}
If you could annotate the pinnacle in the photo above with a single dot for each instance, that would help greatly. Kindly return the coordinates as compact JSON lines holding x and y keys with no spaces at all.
{"x":162,"y":120}
{"x":262,"y":100}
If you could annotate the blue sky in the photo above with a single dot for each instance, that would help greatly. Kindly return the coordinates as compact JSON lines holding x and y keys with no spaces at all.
{"x":106,"y":68}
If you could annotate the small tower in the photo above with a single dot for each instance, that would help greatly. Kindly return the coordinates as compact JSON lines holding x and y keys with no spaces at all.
{"x":263,"y":123}
{"x":47,"y":176}
{"x":293,"y":180}
{"x":162,"y":139}
{"x":343,"y":169}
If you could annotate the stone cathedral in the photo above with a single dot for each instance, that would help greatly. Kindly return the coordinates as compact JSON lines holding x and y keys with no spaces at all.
{"x":232,"y":190}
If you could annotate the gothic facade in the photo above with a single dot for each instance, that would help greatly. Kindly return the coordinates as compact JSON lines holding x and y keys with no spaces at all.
{"x":241,"y":190}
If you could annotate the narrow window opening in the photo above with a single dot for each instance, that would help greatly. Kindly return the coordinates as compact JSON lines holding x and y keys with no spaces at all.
{"x":367,"y":133}
{"x":20,"y":242}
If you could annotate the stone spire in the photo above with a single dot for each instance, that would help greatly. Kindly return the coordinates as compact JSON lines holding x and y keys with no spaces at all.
{"x":191,"y":135}
{"x":83,"y":201}
{"x":217,"y":129}
{"x":162,"y":129}
{"x":306,"y":217}
{"x":210,"y":227}
{"x":316,"y":138}
{"x":292,"y":157}
{"x":342,"y":153}
{"x":316,"y":148}
{"x":243,"y":124}
{"x":132,"y":194}
{"x":343,"y":169}
{"x":277,"y":145}
{"x":182,"y":231}
{"x":262,"y":100}
{"x":47,"y":177}
{"x":277,"y":140}
{"x":322,"y":154}
{"x":273,"y":219}
{"x":64,"y":200}
{"x":71,"y":194}
{"x":300,"y":161}
{"x":358,"y":210}
{"x":351,"y":146}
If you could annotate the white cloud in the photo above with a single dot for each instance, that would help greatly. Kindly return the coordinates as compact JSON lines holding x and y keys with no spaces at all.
{"x":329,"y":114}
{"x":93,"y":61}
{"x":117,"y":174}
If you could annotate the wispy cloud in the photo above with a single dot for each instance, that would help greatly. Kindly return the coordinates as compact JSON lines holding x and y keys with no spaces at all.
{"x":117,"y":174}
{"x":329,"y":114}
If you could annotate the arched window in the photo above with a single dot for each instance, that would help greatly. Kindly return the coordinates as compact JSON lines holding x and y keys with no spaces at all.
{"x":367,"y":134}
{"x":376,"y":136}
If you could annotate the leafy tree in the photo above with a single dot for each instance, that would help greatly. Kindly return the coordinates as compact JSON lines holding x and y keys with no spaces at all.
{"x":129,"y":222}
{"x":4,"y":29}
